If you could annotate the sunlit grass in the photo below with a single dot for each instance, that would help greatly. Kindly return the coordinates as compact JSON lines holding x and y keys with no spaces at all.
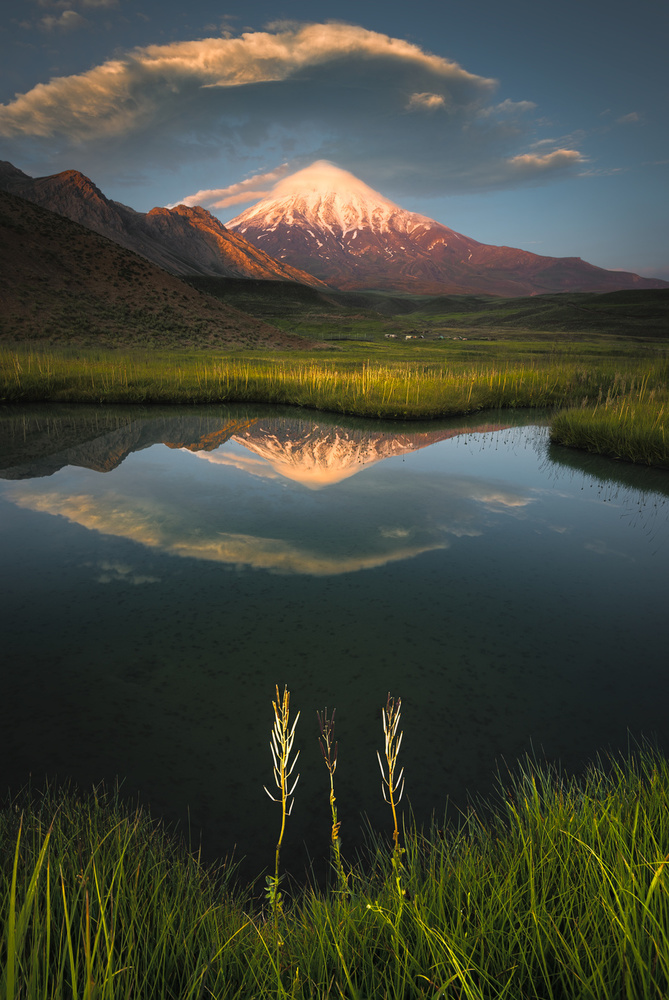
{"x":560,"y":890}
{"x":390,"y":389}
{"x":614,"y":406}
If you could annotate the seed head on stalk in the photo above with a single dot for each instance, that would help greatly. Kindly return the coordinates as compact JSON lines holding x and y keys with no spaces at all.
{"x":281,"y":745}
{"x":392,"y":784}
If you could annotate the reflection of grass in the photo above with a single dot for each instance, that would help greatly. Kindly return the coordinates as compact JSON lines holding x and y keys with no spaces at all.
{"x":561,"y":891}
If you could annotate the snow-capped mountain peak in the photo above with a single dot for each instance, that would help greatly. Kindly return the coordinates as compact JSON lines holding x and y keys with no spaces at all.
{"x":328,"y":222}
{"x":325,"y":197}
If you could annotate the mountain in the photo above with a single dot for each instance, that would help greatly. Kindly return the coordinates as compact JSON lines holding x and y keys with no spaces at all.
{"x":325,"y":219}
{"x":62,"y":283}
{"x":181,"y":240}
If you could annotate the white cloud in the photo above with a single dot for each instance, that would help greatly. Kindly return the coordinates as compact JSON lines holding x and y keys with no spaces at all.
{"x":294,"y":93}
{"x":532,"y":163}
{"x":428,"y":101}
{"x":252,"y":188}
{"x":123,"y":92}
{"x":69,"y":20}
{"x":508,"y":107}
{"x":629,"y":119}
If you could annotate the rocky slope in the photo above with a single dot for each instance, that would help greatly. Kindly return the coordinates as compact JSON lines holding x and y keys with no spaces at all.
{"x":62,"y":283}
{"x":325,"y":219}
{"x":181,"y":240}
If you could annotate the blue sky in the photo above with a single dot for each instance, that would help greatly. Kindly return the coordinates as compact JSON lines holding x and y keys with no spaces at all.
{"x":530,"y":124}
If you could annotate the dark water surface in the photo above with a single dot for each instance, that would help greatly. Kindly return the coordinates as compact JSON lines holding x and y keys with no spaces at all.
{"x":162,"y":570}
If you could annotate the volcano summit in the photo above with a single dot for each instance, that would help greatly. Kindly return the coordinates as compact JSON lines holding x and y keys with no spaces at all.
{"x":326,"y":221}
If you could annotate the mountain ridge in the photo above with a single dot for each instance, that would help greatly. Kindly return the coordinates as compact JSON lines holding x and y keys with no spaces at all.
{"x":182,"y":240}
{"x":352,"y":237}
{"x":60,"y":282}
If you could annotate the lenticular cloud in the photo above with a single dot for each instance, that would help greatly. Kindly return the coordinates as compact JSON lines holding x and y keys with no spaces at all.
{"x":123,"y":94}
{"x":380,"y":105}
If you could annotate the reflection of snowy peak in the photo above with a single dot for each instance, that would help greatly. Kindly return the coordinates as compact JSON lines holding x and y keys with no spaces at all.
{"x":314,"y":453}
{"x":331,"y":224}
{"x":318,"y":456}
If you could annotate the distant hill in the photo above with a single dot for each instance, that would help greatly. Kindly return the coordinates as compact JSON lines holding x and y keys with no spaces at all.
{"x":181,"y":240}
{"x":62,"y":283}
{"x":329,"y":222}
{"x":641,"y":313}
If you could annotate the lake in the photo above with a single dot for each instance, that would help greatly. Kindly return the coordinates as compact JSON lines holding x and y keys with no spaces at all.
{"x":163,"y":569}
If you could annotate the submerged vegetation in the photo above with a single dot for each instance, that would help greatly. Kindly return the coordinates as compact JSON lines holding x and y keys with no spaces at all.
{"x":559,"y":890}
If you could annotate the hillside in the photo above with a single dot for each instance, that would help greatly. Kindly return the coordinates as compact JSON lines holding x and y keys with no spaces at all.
{"x":62,"y":283}
{"x":181,"y":240}
{"x":630,"y":314}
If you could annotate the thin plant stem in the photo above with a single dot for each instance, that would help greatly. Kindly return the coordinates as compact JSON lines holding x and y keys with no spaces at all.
{"x":281,"y":745}
{"x":329,"y":748}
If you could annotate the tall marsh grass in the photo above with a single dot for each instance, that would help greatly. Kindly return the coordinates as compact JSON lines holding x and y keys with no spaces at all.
{"x":388,"y":389}
{"x":634,"y":427}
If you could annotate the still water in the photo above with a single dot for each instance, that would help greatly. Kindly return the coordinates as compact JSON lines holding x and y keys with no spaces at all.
{"x":162,"y":570}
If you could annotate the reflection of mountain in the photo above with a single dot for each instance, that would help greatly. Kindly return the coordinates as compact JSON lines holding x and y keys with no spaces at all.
{"x":37,"y":443}
{"x":317,"y":456}
{"x":166,"y":505}
{"x":316,"y":453}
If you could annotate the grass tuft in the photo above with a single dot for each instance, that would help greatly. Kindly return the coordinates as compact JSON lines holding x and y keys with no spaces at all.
{"x":633,"y":427}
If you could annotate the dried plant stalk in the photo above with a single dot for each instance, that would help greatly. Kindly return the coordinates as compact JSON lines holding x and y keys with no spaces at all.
{"x":281,"y":745}
{"x":392,"y":783}
{"x":329,"y":748}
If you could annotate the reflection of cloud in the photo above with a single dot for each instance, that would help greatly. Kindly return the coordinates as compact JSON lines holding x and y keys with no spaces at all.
{"x":281,"y":557}
{"x":121,"y":573}
{"x":176,"y":535}
{"x":601,"y":548}
{"x":500,"y":499}
{"x":232,"y":460}
{"x":381,"y":518}
{"x":462,"y":531}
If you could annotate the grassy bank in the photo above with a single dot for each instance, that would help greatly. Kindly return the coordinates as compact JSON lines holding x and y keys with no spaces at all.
{"x":560,"y":891}
{"x":352,"y":382}
{"x":633,"y":427}
{"x":612,"y":405}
